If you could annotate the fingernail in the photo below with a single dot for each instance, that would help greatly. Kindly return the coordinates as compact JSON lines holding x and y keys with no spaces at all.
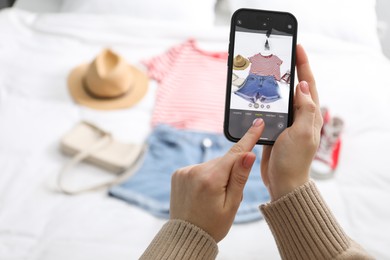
{"x":258,"y":122}
{"x":304,"y":87}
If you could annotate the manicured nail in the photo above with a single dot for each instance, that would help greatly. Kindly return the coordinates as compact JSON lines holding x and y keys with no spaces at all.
{"x":304,"y":87}
{"x":258,"y":122}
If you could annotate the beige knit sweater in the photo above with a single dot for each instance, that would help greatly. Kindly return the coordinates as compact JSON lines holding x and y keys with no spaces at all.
{"x":301,"y":222}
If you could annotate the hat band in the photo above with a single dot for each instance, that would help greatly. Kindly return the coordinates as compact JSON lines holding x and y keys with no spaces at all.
{"x":90,"y":93}
{"x":240,"y":65}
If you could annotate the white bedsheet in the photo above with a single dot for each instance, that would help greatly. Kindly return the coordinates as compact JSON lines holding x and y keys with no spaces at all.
{"x":36,"y":54}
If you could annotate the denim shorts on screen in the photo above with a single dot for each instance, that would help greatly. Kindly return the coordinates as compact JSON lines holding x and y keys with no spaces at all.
{"x":170,"y":149}
{"x":263,"y":88}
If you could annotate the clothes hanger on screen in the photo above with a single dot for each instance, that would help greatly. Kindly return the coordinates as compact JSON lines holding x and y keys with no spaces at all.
{"x":267,"y":47}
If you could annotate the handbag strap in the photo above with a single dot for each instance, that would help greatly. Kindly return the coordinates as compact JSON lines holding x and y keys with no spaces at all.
{"x":105,"y":140}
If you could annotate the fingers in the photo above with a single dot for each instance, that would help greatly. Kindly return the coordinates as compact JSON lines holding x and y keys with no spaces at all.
{"x":305,"y":112}
{"x":246,"y":144}
{"x":238,"y":161}
{"x":302,"y":99}
{"x":238,"y":178}
{"x":266,"y":153}
{"x":267,"y":149}
{"x":249,"y":140}
{"x":305,"y":73}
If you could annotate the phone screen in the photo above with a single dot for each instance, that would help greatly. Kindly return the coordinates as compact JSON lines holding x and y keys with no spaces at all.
{"x":261,"y":68}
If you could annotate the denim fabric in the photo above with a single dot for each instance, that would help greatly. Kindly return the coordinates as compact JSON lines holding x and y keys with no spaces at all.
{"x":170,"y":149}
{"x":264,"y":88}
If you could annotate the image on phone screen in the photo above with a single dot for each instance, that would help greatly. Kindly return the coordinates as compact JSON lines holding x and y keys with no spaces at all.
{"x":261,"y":73}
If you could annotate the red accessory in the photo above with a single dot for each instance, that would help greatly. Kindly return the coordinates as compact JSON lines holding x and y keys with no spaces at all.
{"x":327,"y":157}
{"x":286,"y":77}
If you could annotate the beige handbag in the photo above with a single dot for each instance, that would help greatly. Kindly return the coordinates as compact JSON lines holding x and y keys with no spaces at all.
{"x":87,"y":142}
{"x":237,"y":81}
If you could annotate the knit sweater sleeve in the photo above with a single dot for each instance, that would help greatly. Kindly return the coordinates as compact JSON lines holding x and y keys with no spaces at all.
{"x":304,"y":227}
{"x":179,"y":239}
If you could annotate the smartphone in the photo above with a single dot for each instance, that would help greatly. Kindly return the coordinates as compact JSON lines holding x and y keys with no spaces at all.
{"x":261,"y":70}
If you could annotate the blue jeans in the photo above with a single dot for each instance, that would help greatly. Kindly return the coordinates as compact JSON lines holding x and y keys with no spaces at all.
{"x":264,"y":88}
{"x":170,"y":149}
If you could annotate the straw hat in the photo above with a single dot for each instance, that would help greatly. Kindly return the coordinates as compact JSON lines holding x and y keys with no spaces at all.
{"x":240,"y":63}
{"x":108,"y":82}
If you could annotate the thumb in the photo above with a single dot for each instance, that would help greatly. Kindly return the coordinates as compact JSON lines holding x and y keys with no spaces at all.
{"x":305,"y":108}
{"x":238,"y":178}
{"x":307,"y":118}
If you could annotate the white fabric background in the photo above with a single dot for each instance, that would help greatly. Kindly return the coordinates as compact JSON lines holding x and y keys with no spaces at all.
{"x":37,"y":52}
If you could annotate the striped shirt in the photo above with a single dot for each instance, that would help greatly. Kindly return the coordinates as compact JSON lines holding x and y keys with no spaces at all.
{"x":266,"y":65}
{"x":191,"y":91}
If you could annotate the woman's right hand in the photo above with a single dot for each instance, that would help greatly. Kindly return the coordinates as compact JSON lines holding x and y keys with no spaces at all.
{"x":285,"y":166}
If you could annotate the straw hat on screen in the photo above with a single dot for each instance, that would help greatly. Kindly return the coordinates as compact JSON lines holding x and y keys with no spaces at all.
{"x":240,"y":63}
{"x":108,"y":82}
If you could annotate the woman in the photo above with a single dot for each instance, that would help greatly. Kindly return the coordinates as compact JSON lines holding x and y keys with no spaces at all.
{"x":206,"y":197}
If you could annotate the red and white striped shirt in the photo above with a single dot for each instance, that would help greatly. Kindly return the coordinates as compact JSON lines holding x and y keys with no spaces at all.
{"x":192,"y":85}
{"x":266,"y":65}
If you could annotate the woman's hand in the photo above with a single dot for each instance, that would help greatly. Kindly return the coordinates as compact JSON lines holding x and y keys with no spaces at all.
{"x":208,"y":195}
{"x":285,"y":165}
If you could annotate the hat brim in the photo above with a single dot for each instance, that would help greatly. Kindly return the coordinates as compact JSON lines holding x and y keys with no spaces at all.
{"x":243,"y":67}
{"x":80,"y":95}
